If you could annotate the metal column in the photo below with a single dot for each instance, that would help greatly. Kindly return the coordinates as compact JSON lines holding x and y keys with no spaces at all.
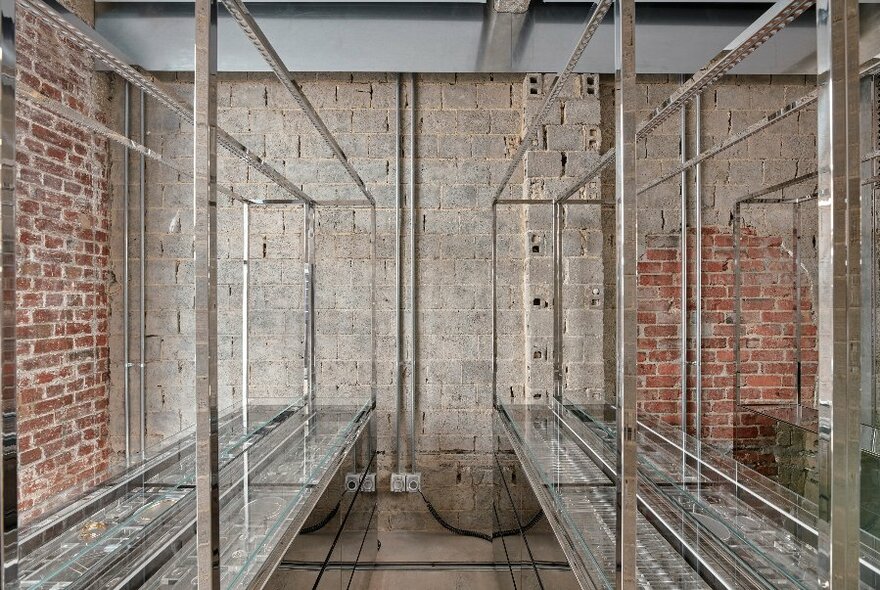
{"x":8,"y":241}
{"x":837,"y":36}
{"x":868,"y":125}
{"x":698,"y":272}
{"x":683,"y":344}
{"x":373,"y":335}
{"x":627,"y":233}
{"x":558,"y":323}
{"x":126,"y":321}
{"x":245,"y":360}
{"x":205,"y":250}
{"x":245,"y":310}
{"x":494,"y":289}
{"x":142,"y":295}
{"x":309,"y":307}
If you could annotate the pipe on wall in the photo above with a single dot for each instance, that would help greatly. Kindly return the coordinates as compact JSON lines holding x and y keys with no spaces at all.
{"x":398,"y":281}
{"x":413,"y":203}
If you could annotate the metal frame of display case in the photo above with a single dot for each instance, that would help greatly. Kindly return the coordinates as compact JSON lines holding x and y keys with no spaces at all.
{"x":205,"y":444}
{"x":837,"y":41}
{"x":803,"y":414}
{"x":838,"y":243}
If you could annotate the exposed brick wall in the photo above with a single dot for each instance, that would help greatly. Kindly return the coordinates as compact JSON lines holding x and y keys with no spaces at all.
{"x":768,"y":340}
{"x":63,"y":249}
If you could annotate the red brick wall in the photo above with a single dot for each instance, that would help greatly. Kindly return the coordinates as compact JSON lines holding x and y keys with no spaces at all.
{"x":767,"y":343}
{"x":63,"y":275}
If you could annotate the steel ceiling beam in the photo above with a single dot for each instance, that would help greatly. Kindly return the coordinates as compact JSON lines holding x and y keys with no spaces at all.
{"x":453,"y":38}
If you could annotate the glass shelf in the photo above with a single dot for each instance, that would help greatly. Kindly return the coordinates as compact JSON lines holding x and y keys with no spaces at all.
{"x":583,"y":497}
{"x":126,"y":526}
{"x":767,"y":530}
{"x":271,"y":495}
{"x":799,"y":416}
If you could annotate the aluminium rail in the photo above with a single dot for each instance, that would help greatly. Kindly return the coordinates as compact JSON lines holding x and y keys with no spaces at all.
{"x":249,"y":25}
{"x":771,"y":22}
{"x":54,"y":15}
{"x":771,"y":119}
{"x":768,"y":24}
{"x":74,"y":116}
{"x":775,"y":117}
{"x":599,"y":10}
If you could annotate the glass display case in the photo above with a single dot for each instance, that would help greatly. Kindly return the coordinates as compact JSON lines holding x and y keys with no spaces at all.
{"x":139,"y":529}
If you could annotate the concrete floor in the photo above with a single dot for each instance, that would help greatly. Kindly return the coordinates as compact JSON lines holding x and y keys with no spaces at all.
{"x":428,"y":561}
{"x":421,"y":548}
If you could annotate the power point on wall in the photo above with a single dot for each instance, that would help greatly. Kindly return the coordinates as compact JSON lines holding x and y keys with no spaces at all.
{"x":398,"y":482}
{"x":413,"y":482}
{"x":351,"y":481}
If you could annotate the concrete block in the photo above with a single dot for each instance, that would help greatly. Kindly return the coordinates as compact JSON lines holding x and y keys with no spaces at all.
{"x":459,"y":96}
{"x":564,"y":137}
{"x":543,"y":164}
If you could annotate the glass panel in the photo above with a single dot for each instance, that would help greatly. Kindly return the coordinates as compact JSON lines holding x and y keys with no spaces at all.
{"x":870,"y":336}
{"x":586,"y":343}
{"x":281,"y":478}
{"x":515,"y":248}
{"x":571,"y":466}
{"x":775,"y":320}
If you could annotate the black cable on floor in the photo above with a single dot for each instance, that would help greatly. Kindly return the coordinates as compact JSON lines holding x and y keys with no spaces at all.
{"x":477,"y":534}
{"x":322,"y":523}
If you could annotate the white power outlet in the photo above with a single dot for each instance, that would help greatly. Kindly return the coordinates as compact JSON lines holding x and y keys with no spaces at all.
{"x":398,"y":482}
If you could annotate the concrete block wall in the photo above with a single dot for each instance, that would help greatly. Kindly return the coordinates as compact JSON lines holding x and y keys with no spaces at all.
{"x":467,"y":128}
{"x":64,"y":276}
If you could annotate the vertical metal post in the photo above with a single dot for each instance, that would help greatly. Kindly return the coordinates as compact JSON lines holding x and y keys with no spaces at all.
{"x":142,"y":295}
{"x":737,"y":306}
{"x":374,"y":373}
{"x":398,"y":266}
{"x":558,"y":323}
{"x":245,"y":311}
{"x":8,"y":241}
{"x":683,"y":345}
{"x":309,"y":385}
{"x":413,"y":224}
{"x":205,"y":249}
{"x":837,"y":35}
{"x":126,"y":321}
{"x":373,"y":344}
{"x":245,"y":360}
{"x":798,"y":329}
{"x":494,"y":290}
{"x":698,"y":274}
{"x":627,"y":235}
{"x":868,"y":125}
